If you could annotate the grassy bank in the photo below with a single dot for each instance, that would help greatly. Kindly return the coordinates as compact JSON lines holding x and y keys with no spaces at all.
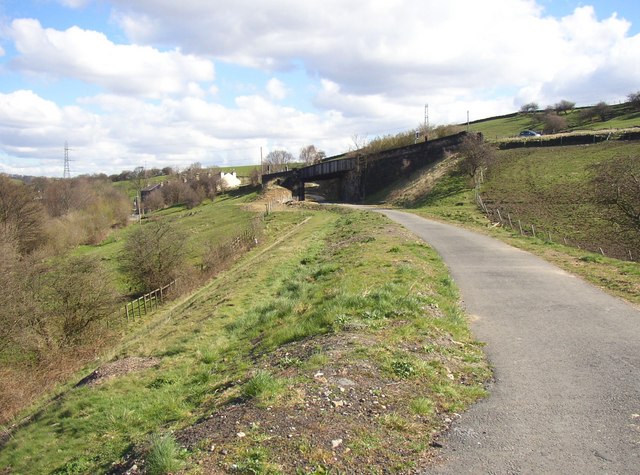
{"x":339,"y":341}
{"x":621,"y":116}
{"x":24,"y":378}
{"x":450,"y":199}
{"x":552,"y":189}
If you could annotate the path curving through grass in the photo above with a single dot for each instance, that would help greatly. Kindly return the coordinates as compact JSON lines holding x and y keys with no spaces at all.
{"x":566,"y":359}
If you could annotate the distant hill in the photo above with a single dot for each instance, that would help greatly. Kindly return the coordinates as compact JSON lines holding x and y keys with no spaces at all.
{"x":510,"y":125}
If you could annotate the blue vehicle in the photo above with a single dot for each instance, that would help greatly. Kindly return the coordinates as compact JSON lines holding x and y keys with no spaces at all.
{"x":529,"y":133}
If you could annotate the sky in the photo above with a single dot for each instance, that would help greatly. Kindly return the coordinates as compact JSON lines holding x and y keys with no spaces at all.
{"x":166,"y":83}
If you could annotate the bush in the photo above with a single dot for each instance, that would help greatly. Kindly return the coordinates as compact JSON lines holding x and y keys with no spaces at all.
{"x":553,"y":123}
{"x":154,"y":254}
{"x":73,"y":295}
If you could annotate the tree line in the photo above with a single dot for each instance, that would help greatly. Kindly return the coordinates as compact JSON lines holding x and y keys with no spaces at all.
{"x":51,"y":298}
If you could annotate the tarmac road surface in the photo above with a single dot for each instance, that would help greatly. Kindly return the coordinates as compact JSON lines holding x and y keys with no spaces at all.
{"x":566,"y":358}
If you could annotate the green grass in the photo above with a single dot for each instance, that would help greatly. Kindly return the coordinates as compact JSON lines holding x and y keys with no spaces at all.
{"x":264,"y":387}
{"x":547,"y":187}
{"x":504,"y":127}
{"x":320,"y":278}
{"x":551,"y":188}
{"x":422,"y":406}
{"x":163,"y":457}
{"x":207,"y":224}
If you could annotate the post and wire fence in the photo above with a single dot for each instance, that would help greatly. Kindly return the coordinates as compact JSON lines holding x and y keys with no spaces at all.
{"x":505,"y":219}
{"x":148,"y":302}
{"x":216,"y":257}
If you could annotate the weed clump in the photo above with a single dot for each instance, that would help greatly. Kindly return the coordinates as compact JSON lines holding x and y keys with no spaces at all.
{"x":163,"y":455}
{"x":263,"y":386}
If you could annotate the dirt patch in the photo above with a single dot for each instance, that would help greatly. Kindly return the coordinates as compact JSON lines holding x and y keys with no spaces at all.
{"x":344,"y":413}
{"x":118,"y":368}
{"x":418,"y":186}
{"x":273,"y":198}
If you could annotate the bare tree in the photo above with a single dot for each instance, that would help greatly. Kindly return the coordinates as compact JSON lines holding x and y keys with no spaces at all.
{"x":564,"y":106}
{"x":529,"y":108}
{"x":634,"y":99}
{"x":139,"y":178}
{"x":153,"y":255}
{"x":476,"y":154}
{"x":20,"y":210}
{"x":553,"y":123}
{"x":359,"y":142}
{"x":310,"y":155}
{"x":278,"y":160}
{"x":617,"y":182}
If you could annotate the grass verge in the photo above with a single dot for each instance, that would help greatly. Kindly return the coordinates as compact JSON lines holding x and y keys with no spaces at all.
{"x":617,"y":277}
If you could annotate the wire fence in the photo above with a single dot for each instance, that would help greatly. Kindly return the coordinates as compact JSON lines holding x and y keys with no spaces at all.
{"x":505,"y":219}
{"x":147,"y":302}
{"x":214,"y":259}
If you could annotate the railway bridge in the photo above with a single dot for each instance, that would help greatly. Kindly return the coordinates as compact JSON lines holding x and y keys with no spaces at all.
{"x":360,"y":174}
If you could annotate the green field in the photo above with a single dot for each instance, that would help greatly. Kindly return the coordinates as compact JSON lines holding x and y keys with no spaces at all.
{"x":552,"y":189}
{"x":547,"y":187}
{"x":623,"y":117}
{"x":205,"y":225}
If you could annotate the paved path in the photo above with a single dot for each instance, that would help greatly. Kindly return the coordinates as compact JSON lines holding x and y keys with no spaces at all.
{"x":566,"y":397}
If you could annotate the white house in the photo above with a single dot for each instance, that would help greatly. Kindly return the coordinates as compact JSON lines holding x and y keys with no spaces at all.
{"x":229,"y":181}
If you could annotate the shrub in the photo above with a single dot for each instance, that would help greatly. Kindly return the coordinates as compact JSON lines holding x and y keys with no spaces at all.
{"x":153,"y":255}
{"x":553,"y":123}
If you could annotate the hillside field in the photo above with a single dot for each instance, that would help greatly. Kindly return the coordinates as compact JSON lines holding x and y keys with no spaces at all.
{"x":623,"y":116}
{"x":302,"y":357}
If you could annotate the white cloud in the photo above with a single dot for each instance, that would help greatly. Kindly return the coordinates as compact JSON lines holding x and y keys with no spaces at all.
{"x":371,"y":66}
{"x":23,"y":108}
{"x":122,"y":133}
{"x":399,"y":48}
{"x":91,"y":57}
{"x":276,"y":89}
